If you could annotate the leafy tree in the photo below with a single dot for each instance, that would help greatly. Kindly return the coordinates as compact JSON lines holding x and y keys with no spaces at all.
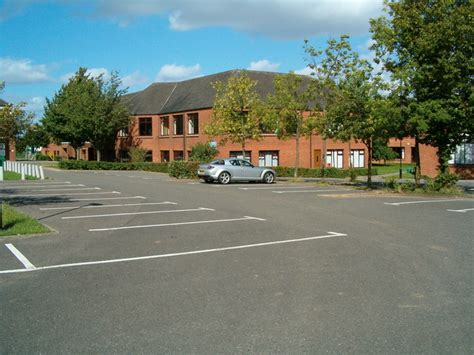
{"x":382,"y":151}
{"x":87,"y":109}
{"x":14,"y":120}
{"x":236,"y":108}
{"x":35,"y":136}
{"x":203,"y":152}
{"x":427,"y":46}
{"x":286,"y":110}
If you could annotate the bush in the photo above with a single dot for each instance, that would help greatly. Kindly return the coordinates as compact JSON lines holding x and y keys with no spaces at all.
{"x":203,"y":152}
{"x":42,"y":157}
{"x":443,"y":182}
{"x":106,"y":165}
{"x":319,"y":173}
{"x":137,"y":155}
{"x":181,"y":169}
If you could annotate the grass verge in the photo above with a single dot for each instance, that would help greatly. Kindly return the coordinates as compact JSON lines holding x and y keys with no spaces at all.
{"x":17,"y":223}
{"x":10,"y":175}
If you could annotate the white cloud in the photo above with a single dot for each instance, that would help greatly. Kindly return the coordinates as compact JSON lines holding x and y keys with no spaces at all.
{"x":136,"y":78}
{"x":22,"y":71}
{"x":35,"y":104}
{"x":264,"y":65}
{"x":275,"y":18}
{"x":304,"y":71}
{"x":92,"y":72}
{"x":173,"y":72}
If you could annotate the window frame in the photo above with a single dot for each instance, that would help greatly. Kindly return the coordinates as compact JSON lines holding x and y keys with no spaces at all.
{"x":149,"y":126}
{"x":164,"y":119}
{"x":175,"y":125}
{"x":193,"y":120}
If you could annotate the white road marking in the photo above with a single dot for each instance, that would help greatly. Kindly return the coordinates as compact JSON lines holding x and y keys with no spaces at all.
{"x":304,"y":191}
{"x":66,"y":194}
{"x":462,"y":211}
{"x":21,"y":257}
{"x":423,"y":201}
{"x":108,"y":206}
{"x":138,"y":213}
{"x":245,"y":218}
{"x":107,"y":198}
{"x":171,"y":255}
{"x":18,"y":187}
{"x":275,"y":187}
{"x":78,"y":189}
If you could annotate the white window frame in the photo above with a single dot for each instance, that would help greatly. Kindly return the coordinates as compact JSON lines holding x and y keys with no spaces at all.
{"x":335,"y":157}
{"x":357,"y":158}
{"x":268,"y":158}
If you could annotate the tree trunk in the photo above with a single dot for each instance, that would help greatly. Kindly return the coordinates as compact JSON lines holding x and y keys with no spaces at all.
{"x":443,"y":160}
{"x":417,"y":162}
{"x":369,"y":170}
{"x":78,"y":153}
{"x":323,"y":158}
{"x":350,"y":151}
{"x":98,"y":154}
{"x":297,"y":155}
{"x":243,"y":150}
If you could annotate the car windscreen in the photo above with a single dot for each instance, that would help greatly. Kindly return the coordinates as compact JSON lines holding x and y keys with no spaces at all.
{"x":217,"y":162}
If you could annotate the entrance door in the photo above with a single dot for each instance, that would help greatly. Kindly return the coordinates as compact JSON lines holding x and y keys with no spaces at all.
{"x":317,"y":158}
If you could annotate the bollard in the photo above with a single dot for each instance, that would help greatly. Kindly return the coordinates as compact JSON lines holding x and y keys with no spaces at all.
{"x":36,"y":174}
{"x":1,"y":173}
{"x":41,"y":173}
{"x":22,"y":172}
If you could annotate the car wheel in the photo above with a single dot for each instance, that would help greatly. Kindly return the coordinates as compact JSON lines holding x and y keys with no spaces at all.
{"x":224,"y":178}
{"x":268,"y":178}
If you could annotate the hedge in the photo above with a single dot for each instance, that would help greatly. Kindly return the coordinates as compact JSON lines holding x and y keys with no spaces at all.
{"x":319,"y":173}
{"x":183,"y":169}
{"x":107,"y":165}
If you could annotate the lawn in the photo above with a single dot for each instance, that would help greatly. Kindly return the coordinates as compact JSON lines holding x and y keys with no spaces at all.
{"x":16,"y":223}
{"x":394,"y":168}
{"x":10,"y":175}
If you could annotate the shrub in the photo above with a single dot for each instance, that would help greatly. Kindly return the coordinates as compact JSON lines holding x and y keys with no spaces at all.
{"x":319,"y":173}
{"x":42,"y":157}
{"x":106,"y":165}
{"x":391,"y":182}
{"x":443,"y":182}
{"x":203,"y":152}
{"x":137,"y":155}
{"x":181,"y":169}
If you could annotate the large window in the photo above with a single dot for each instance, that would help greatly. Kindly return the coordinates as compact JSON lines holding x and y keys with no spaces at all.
{"x":357,"y":158}
{"x":178,"y":125}
{"x":165,"y":156}
{"x":149,"y":156}
{"x":178,"y":155}
{"x":268,"y":158}
{"x":144,"y":126}
{"x":238,"y":154}
{"x":334,"y":158}
{"x":165,"y":126}
{"x":193,"y":123}
{"x":464,"y":154}
{"x":400,"y":151}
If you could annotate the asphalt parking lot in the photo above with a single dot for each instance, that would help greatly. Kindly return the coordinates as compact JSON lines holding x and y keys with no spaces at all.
{"x":143,"y":263}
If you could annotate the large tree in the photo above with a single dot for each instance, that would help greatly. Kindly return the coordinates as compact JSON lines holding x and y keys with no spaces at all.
{"x":236,"y":111}
{"x":427,"y":46}
{"x":287,"y":108}
{"x":87,"y":109}
{"x":14,"y":120}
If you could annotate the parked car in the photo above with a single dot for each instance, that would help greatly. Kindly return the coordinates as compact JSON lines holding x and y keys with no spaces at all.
{"x":226,"y":170}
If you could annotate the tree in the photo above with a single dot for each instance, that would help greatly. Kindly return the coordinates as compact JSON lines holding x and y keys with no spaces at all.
{"x":35,"y":136}
{"x":14,"y":120}
{"x":87,"y":109}
{"x":382,"y":151}
{"x":286,"y":109}
{"x":427,"y":46}
{"x":235,"y":115}
{"x":203,"y":152}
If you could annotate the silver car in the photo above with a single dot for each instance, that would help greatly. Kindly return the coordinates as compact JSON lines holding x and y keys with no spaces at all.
{"x":232,"y":169}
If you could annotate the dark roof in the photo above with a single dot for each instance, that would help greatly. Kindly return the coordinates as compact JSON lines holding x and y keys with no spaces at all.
{"x":3,"y":102}
{"x":193,"y":94}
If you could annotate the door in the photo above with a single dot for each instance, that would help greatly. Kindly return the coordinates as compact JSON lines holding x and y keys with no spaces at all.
{"x":317,"y":158}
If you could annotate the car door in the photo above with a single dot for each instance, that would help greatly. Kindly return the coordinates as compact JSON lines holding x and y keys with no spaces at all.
{"x":235,"y":169}
{"x":249,"y":171}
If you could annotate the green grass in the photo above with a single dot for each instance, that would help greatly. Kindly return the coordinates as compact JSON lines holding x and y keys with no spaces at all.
{"x":392,"y":168}
{"x":10,"y":175}
{"x":16,"y":223}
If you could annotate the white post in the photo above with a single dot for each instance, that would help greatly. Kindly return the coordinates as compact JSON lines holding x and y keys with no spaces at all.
{"x":36,"y":174}
{"x":41,"y":172}
{"x":22,"y":172}
{"x":28,"y":169}
{"x":1,"y":173}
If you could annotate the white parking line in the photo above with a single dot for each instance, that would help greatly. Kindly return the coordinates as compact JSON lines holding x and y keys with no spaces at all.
{"x":20,"y":185}
{"x":75,"y":189}
{"x":275,"y":187}
{"x":107,"y":198}
{"x":192,"y":252}
{"x":27,"y":187}
{"x":20,"y":256}
{"x":66,"y":194}
{"x":304,"y":191}
{"x":139,"y":213}
{"x":462,"y":211}
{"x":424,"y":201}
{"x":245,"y":218}
{"x":108,"y":206}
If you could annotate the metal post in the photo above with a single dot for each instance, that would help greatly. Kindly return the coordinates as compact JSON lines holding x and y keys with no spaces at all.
{"x":401,"y":169}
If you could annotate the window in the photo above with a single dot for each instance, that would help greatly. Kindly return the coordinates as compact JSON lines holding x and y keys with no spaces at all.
{"x":357,"y":158}
{"x":123,"y":133}
{"x":238,"y":154}
{"x":334,"y":158}
{"x":149,"y":156}
{"x":268,"y":158}
{"x":178,"y":155}
{"x":400,"y":151}
{"x":123,"y":154}
{"x":165,"y":156}
{"x":464,"y":154}
{"x":178,"y":125}
{"x":193,"y":123}
{"x":144,"y":126}
{"x":165,"y":126}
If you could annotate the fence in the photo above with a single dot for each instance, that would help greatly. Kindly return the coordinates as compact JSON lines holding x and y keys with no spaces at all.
{"x":24,"y":169}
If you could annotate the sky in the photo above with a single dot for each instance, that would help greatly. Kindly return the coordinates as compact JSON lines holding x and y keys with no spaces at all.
{"x":44,"y":42}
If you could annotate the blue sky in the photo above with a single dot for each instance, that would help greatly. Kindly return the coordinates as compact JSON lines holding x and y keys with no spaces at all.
{"x":43,"y":42}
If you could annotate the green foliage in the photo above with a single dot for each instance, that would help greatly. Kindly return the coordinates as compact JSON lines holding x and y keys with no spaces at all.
{"x":14,"y":121}
{"x":181,"y":169}
{"x":137,"y":155}
{"x":87,"y":109}
{"x":235,"y":114}
{"x":42,"y":157}
{"x":105,"y":165}
{"x":35,"y":136}
{"x":427,"y":46}
{"x":320,"y":173}
{"x":443,"y":182}
{"x":203,"y":152}
{"x":383,"y":152}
